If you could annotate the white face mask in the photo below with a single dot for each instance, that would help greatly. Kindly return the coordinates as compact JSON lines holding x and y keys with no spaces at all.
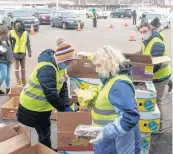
{"x":99,"y":70}
{"x":146,"y":36}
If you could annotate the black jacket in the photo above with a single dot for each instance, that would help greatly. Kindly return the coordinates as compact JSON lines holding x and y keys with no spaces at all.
{"x":47,"y":78}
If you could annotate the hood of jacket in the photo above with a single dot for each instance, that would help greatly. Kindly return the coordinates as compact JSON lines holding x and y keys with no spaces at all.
{"x":47,"y":56}
{"x":22,"y":23}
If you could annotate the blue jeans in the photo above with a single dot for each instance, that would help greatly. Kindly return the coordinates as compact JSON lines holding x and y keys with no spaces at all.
{"x":5,"y":70}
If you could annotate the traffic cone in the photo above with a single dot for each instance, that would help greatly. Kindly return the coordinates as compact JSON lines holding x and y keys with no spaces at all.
{"x":78,"y":27}
{"x":126,"y":24}
{"x":111,"y":26}
{"x":32,"y":30}
{"x":132,"y":37}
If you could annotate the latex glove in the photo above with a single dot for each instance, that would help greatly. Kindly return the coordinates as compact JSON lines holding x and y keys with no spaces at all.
{"x":99,"y":137}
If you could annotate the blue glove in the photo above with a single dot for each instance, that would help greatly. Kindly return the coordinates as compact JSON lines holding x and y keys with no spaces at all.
{"x":68,"y":109}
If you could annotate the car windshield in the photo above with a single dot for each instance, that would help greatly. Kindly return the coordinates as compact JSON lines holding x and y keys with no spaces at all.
{"x":69,"y":15}
{"x":45,"y":11}
{"x":2,"y":12}
{"x":152,"y":16}
{"x":21,"y":13}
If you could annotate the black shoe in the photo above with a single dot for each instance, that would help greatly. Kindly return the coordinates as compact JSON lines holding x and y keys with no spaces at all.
{"x":170,"y":85}
{"x":2,"y":93}
{"x":7,"y":90}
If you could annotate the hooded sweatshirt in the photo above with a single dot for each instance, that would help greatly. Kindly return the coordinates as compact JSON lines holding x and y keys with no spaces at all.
{"x":13,"y":41}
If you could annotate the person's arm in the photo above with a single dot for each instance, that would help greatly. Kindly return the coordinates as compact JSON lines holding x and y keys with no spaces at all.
{"x":47,"y":78}
{"x":12,"y":41}
{"x":28,"y":45}
{"x":64,"y":94}
{"x":157,"y":51}
{"x":122,"y":98}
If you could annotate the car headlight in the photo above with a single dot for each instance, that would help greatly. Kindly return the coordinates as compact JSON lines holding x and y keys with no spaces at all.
{"x":36,"y":20}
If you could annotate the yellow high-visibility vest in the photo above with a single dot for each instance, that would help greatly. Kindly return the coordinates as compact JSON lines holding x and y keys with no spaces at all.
{"x":32,"y":97}
{"x":103,"y":111}
{"x":165,"y":69}
{"x":20,"y":44}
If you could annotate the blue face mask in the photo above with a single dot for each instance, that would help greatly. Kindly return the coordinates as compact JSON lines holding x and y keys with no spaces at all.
{"x":62,"y":66}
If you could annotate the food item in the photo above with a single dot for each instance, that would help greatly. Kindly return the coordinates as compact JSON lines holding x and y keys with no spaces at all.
{"x":86,"y":131}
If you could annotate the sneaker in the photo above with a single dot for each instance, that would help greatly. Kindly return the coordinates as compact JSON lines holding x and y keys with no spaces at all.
{"x":2,"y":93}
{"x":169,"y":85}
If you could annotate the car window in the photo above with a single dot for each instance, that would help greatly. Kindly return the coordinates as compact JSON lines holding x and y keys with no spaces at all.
{"x":2,"y":12}
{"x":152,"y":16}
{"x":69,"y":15}
{"x":21,"y":13}
{"x":45,"y":11}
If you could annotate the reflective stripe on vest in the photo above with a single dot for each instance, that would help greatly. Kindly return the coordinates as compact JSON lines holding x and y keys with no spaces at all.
{"x":103,"y":111}
{"x":20,"y":43}
{"x":33,"y":97}
{"x":165,"y":69}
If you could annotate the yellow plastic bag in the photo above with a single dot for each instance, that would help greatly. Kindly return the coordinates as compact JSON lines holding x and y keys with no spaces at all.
{"x":86,"y":98}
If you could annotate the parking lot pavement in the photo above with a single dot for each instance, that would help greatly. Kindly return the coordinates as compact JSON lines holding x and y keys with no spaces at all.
{"x":88,"y":40}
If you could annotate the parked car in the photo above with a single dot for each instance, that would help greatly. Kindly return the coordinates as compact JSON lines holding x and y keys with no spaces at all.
{"x":122,"y":13}
{"x":25,"y":16}
{"x":164,"y":19}
{"x":66,"y":20}
{"x":44,"y":15}
{"x":99,"y":13}
{"x":2,"y":14}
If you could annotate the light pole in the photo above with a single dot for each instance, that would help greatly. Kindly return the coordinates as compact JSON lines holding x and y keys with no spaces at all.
{"x":57,"y":4}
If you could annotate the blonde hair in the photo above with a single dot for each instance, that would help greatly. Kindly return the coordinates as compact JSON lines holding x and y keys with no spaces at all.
{"x":109,"y":59}
{"x":59,"y":40}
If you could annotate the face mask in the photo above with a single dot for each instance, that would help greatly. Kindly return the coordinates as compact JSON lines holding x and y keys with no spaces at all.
{"x":19,"y":29}
{"x":146,"y":36}
{"x":62,"y":66}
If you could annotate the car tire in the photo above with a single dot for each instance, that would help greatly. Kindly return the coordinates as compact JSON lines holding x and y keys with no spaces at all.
{"x":64,"y":25}
{"x":168,"y":25}
{"x":112,"y":16}
{"x":87,"y":16}
{"x":52,"y":24}
{"x":12,"y":26}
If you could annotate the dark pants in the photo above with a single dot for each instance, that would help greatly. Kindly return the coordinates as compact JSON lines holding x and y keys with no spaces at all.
{"x":94,"y":22}
{"x":44,"y":134}
{"x":134,"y":21}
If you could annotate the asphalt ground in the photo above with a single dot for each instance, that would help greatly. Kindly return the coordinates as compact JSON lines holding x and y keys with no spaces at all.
{"x":89,"y":40}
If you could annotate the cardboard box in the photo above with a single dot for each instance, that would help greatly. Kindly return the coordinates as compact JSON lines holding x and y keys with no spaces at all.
{"x":15,"y":92}
{"x":54,"y":112}
{"x":14,"y":139}
{"x":145,"y":96}
{"x":37,"y":149}
{"x":68,"y":121}
{"x":145,"y":140}
{"x":67,"y":141}
{"x":9,"y":109}
{"x":150,"y":121}
{"x":142,"y":67}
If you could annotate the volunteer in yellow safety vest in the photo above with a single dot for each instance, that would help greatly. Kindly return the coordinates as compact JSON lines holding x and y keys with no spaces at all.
{"x":20,"y":41}
{"x":46,"y":90}
{"x":115,"y":112}
{"x":156,"y":25}
{"x":154,"y":46}
{"x":94,"y":17}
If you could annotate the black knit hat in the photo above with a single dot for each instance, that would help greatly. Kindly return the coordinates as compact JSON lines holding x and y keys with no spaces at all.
{"x":156,"y":22}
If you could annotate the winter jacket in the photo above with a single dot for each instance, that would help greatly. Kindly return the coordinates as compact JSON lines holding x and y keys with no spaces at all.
{"x":123,"y":135}
{"x":6,"y":55}
{"x":157,"y":50}
{"x":47,"y":78}
{"x":134,"y":14}
{"x":28,"y":44}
